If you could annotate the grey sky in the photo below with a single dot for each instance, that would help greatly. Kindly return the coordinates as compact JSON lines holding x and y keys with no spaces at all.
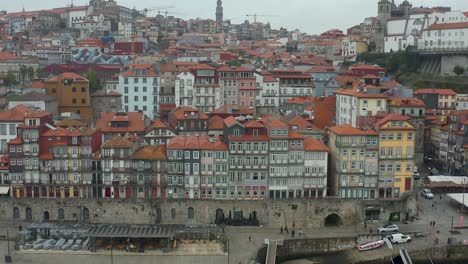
{"x":311,"y":16}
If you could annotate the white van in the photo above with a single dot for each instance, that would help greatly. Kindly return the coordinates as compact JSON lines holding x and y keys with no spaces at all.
{"x":399,"y":238}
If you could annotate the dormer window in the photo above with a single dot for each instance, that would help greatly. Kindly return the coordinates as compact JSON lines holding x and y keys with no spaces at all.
{"x":255,"y":132}
{"x":236,"y":132}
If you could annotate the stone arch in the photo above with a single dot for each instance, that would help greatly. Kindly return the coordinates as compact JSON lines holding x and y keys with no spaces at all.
{"x":191,"y":213}
{"x":333,"y":220}
{"x":16,"y":213}
{"x":219,"y":218}
{"x":61,"y":214}
{"x":28,"y":213}
{"x":46,"y":216}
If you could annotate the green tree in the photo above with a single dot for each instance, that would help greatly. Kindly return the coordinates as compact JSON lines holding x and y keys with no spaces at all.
{"x":31,"y":72}
{"x":458,"y":70}
{"x":10,"y":80}
{"x":234,"y":63}
{"x":23,"y":70}
{"x":41,"y":73}
{"x":94,"y":84}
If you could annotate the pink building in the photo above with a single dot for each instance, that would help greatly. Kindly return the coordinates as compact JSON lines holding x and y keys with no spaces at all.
{"x":238,"y":86}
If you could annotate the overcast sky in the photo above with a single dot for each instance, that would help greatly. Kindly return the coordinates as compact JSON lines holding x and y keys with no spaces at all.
{"x":311,"y":16}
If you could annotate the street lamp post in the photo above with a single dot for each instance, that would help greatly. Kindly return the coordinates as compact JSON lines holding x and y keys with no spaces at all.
{"x":463,"y":196}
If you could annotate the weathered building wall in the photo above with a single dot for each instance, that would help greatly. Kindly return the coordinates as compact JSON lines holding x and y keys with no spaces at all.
{"x":270,"y":213}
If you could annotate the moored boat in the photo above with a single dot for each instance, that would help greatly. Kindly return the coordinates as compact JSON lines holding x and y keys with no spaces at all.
{"x":370,"y":246}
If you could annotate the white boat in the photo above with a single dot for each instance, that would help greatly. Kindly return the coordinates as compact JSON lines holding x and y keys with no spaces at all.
{"x":369,"y":246}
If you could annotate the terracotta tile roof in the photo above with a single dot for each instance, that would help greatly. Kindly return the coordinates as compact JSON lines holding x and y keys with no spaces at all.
{"x":435,"y":91}
{"x":157,"y":124}
{"x":447,"y":26}
{"x":347,"y":130}
{"x":69,"y":132}
{"x":37,"y":114}
{"x":15,"y":114}
{"x":7,"y":56}
{"x":136,"y":122}
{"x":300,"y":123}
{"x":215,"y":123}
{"x":37,"y":84}
{"x":311,"y":144}
{"x":253,"y":124}
{"x":197,"y":142}
{"x":345,"y":80}
{"x":179,"y":113}
{"x":118,"y":142}
{"x":390,"y":118}
{"x":273,"y":122}
{"x":16,"y":141}
{"x":150,"y":153}
{"x":202,"y":67}
{"x":406,"y":102}
{"x":321,"y":69}
{"x":370,"y":76}
{"x":226,"y":68}
{"x":269,"y":79}
{"x":230,"y":121}
{"x":300,"y":100}
{"x":67,"y":75}
{"x":359,"y":93}
{"x":294,"y":135}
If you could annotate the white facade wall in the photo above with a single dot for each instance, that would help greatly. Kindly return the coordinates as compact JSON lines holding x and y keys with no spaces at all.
{"x":7,"y":133}
{"x":313,"y":179}
{"x":38,"y":105}
{"x":268,"y":94}
{"x":345,"y":110}
{"x":184,"y":92}
{"x":140,"y":94}
{"x":447,"y":39}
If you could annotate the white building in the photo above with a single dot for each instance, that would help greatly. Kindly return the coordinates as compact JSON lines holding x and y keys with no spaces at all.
{"x":411,"y":31}
{"x":126,"y":29}
{"x":446,"y":36}
{"x":461,"y":102}
{"x":267,"y":94}
{"x":315,"y":168}
{"x":9,"y":120}
{"x":184,"y":95}
{"x":140,"y":89}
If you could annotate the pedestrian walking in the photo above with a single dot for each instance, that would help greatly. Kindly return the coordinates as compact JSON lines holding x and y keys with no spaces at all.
{"x":365,"y":225}
{"x":433,"y":224}
{"x":281,"y":230}
{"x":300,"y":232}
{"x":250,"y":239}
{"x":370,"y":230}
{"x":293,"y":233}
{"x":441,"y":197}
{"x":286,"y":229}
{"x":430,"y":224}
{"x":437,"y":241}
{"x":432,"y":205}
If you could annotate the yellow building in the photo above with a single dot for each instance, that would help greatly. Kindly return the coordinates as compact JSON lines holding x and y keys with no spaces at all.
{"x":396,"y":155}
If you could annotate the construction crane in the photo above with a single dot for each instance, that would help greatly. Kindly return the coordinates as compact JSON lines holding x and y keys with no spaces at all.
{"x":255,"y":16}
{"x":158,"y":8}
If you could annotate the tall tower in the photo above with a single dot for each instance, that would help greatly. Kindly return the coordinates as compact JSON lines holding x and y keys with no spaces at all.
{"x":384,"y":13}
{"x":219,"y":12}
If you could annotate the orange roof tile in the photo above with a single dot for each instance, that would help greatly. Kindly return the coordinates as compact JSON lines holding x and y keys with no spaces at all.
{"x":253,"y":124}
{"x":197,"y":142}
{"x":390,"y":118}
{"x":359,"y":93}
{"x":347,"y":130}
{"x":294,"y":135}
{"x":67,"y":75}
{"x":118,"y":142}
{"x":150,"y":153}
{"x":179,"y":113}
{"x":136,"y":123}
{"x":447,"y":26}
{"x":230,"y":121}
{"x":435,"y":91}
{"x":406,"y":102}
{"x":215,"y":123}
{"x":15,"y":114}
{"x":311,"y":144}
{"x":68,"y":122}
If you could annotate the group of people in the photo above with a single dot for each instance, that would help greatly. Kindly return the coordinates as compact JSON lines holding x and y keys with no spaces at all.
{"x":293,"y":232}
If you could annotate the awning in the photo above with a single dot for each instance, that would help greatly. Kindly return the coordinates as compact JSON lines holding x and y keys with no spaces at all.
{"x":4,"y":189}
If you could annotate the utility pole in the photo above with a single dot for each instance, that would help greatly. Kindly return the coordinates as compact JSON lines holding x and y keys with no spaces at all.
{"x":8,"y":257}
{"x":112,"y":255}
{"x":463,"y":199}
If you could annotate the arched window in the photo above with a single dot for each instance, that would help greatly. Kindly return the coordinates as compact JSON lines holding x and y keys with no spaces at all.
{"x":191,"y":213}
{"x":236,"y":132}
{"x":15,"y":213}
{"x":61,"y":214}
{"x":28,"y":213}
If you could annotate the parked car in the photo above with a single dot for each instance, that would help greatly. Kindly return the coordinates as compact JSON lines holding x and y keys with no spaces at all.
{"x":416,"y":176}
{"x":390,"y":228}
{"x":399,"y":238}
{"x":427,"y":193}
